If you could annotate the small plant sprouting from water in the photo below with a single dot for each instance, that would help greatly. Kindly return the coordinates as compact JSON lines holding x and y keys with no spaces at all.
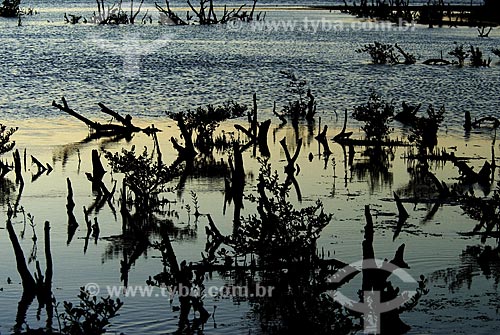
{"x":10,"y":8}
{"x":279,"y":230}
{"x":196,"y":204}
{"x":476,"y":58}
{"x":205,"y":120}
{"x":376,"y":114}
{"x":6,"y":145}
{"x":381,"y":53}
{"x":300,"y":107}
{"x":90,"y":316}
{"x":143,"y":175}
{"x":424,"y":129}
{"x":460,"y":54}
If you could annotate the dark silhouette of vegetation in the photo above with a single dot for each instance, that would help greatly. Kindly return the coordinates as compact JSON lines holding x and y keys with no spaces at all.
{"x":376,"y":115}
{"x":474,"y":54}
{"x":484,"y":210}
{"x":387,"y":54}
{"x":460,"y":54}
{"x":424,"y":129}
{"x":6,"y":145}
{"x":203,"y":122}
{"x":394,"y":11}
{"x":90,"y":316}
{"x":278,"y":230}
{"x":206,"y":15}
{"x":297,"y":108}
{"x":10,"y":8}
{"x":143,"y":175}
{"x":115,"y":14}
{"x":476,"y":58}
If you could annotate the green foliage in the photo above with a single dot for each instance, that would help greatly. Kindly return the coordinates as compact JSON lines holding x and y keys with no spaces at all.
{"x":204,"y":121}
{"x":5,"y":143}
{"x":90,"y":316}
{"x":376,"y":114}
{"x":279,"y":230}
{"x":10,"y":8}
{"x":146,"y":177}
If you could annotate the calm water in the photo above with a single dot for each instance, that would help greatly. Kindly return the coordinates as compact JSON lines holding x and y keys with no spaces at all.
{"x":190,"y":66}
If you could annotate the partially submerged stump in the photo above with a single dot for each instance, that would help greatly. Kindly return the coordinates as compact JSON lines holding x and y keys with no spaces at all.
{"x":257,"y":132}
{"x":39,"y":285}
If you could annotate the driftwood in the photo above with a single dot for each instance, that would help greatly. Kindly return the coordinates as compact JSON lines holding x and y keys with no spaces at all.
{"x":467,"y":122}
{"x":89,"y":229}
{"x":28,"y":282}
{"x":409,"y":58}
{"x":126,"y":127}
{"x":344,"y":138}
{"x":492,"y":119}
{"x":343,"y":135}
{"x":103,"y":194}
{"x":40,"y":168}
{"x":311,"y":106}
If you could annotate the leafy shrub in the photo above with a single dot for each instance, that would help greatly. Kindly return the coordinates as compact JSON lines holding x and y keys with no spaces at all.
{"x":298,"y":107}
{"x":10,"y":8}
{"x":460,"y":54}
{"x":379,"y":52}
{"x":386,"y":54}
{"x":424,"y":129}
{"x":279,"y":230}
{"x":204,"y":121}
{"x":145,"y":177}
{"x":5,"y":143}
{"x":476,"y":58}
{"x":89,"y":317}
{"x":376,"y":114}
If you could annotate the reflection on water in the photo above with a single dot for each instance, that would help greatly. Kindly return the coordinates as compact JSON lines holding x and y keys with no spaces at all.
{"x":116,"y":255}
